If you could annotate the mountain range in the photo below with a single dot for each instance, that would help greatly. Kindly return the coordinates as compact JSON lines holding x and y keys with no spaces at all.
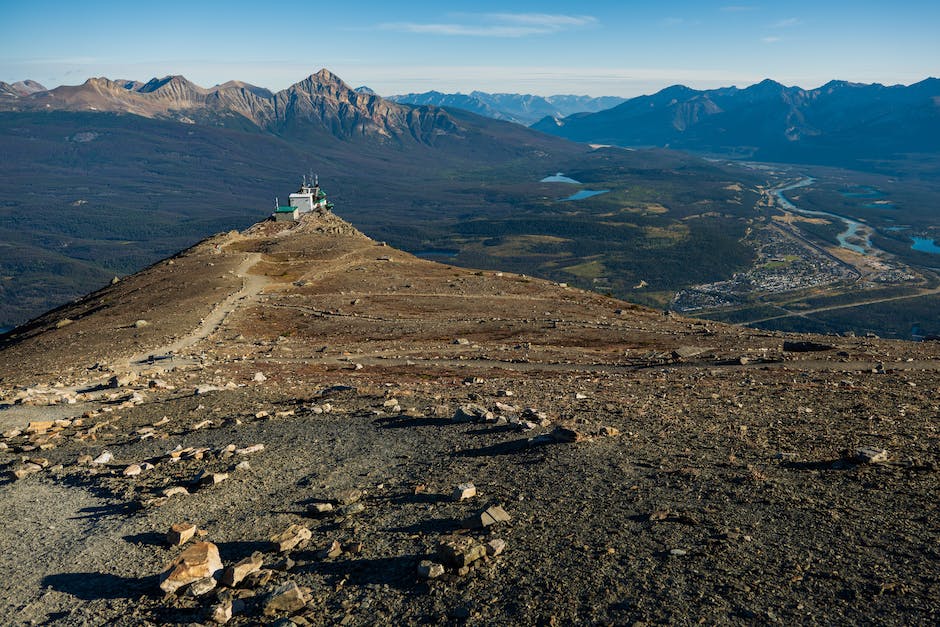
{"x":521,"y":108}
{"x":321,"y":100}
{"x":840,"y":123}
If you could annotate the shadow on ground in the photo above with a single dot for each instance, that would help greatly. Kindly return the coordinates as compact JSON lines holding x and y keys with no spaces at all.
{"x":91,"y":586}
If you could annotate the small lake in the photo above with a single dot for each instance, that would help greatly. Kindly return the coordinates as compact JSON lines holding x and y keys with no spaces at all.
{"x":585,"y":193}
{"x":924,"y":245}
{"x":880,"y":204}
{"x":559,"y":177}
{"x":432,"y":253}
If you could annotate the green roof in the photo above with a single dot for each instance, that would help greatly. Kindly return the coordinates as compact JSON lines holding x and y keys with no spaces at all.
{"x":285,"y":210}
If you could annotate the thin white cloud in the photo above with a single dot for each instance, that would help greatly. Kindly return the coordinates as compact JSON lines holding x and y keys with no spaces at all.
{"x":495,"y":25}
{"x":771,"y":40}
{"x":673,"y":21}
{"x":544,"y":20}
{"x":787,"y":23}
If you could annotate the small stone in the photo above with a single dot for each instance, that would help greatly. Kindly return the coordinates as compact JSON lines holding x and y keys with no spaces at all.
{"x":495,"y":547}
{"x":140,"y":324}
{"x":221,"y":613}
{"x":39,"y":426}
{"x":210,"y":478}
{"x":348,"y":497}
{"x":105,"y":458}
{"x":353,"y":548}
{"x":567,"y":435}
{"x":430,"y":570}
{"x":133,"y":470}
{"x":678,"y":552}
{"x":464,"y":491}
{"x":290,"y":538}
{"x":201,"y":587}
{"x":472,"y":413}
{"x":286,"y":598}
{"x":248,"y":450}
{"x":119,"y":381}
{"x":258,"y":579}
{"x":459,"y":551}
{"x":610,"y":432}
{"x":25,"y":470}
{"x":180,"y":533}
{"x":870,"y":455}
{"x":331,"y":551}
{"x":489,"y":516}
{"x":352,"y":510}
{"x":173,"y":491}
{"x":198,"y":561}
{"x":319,"y":509}
{"x":259,"y":377}
{"x":243,"y":465}
{"x":233,"y":575}
{"x":284,"y":564}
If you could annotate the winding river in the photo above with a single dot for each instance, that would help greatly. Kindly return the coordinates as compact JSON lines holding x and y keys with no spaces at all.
{"x":854,"y":230}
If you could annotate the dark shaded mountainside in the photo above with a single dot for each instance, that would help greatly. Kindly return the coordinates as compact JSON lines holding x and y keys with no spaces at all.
{"x":105,"y":178}
{"x":315,"y":402}
{"x":844,"y":124}
{"x":521,"y":108}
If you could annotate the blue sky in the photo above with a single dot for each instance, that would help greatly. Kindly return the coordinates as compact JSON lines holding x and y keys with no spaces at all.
{"x":623,"y":48}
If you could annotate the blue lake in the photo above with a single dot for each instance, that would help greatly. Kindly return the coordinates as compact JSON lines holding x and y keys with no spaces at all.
{"x":586,"y":193}
{"x":880,"y":205}
{"x":924,"y":245}
{"x":559,"y":178}
{"x":437,"y":252}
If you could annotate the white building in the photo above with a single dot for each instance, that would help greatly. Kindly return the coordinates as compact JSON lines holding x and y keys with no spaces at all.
{"x":309,"y":198}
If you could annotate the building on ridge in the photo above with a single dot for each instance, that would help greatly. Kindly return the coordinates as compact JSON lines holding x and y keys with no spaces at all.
{"x":310,"y":197}
{"x":307,"y":199}
{"x":285,"y":214}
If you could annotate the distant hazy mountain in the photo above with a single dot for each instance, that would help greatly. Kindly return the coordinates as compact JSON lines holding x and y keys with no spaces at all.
{"x":520,"y":108}
{"x":20,"y":88}
{"x":839,"y":123}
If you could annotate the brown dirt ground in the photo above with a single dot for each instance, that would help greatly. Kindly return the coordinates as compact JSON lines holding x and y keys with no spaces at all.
{"x":728,"y":496}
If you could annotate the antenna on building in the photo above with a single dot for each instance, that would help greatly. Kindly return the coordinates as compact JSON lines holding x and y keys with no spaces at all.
{"x":276,"y":203}
{"x":316,"y":180}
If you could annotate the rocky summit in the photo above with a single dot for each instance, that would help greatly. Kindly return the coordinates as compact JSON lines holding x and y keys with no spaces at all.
{"x":296,"y":424}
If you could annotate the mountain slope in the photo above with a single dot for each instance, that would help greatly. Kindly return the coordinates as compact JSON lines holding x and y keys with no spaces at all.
{"x":839,"y":123}
{"x":309,"y":380}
